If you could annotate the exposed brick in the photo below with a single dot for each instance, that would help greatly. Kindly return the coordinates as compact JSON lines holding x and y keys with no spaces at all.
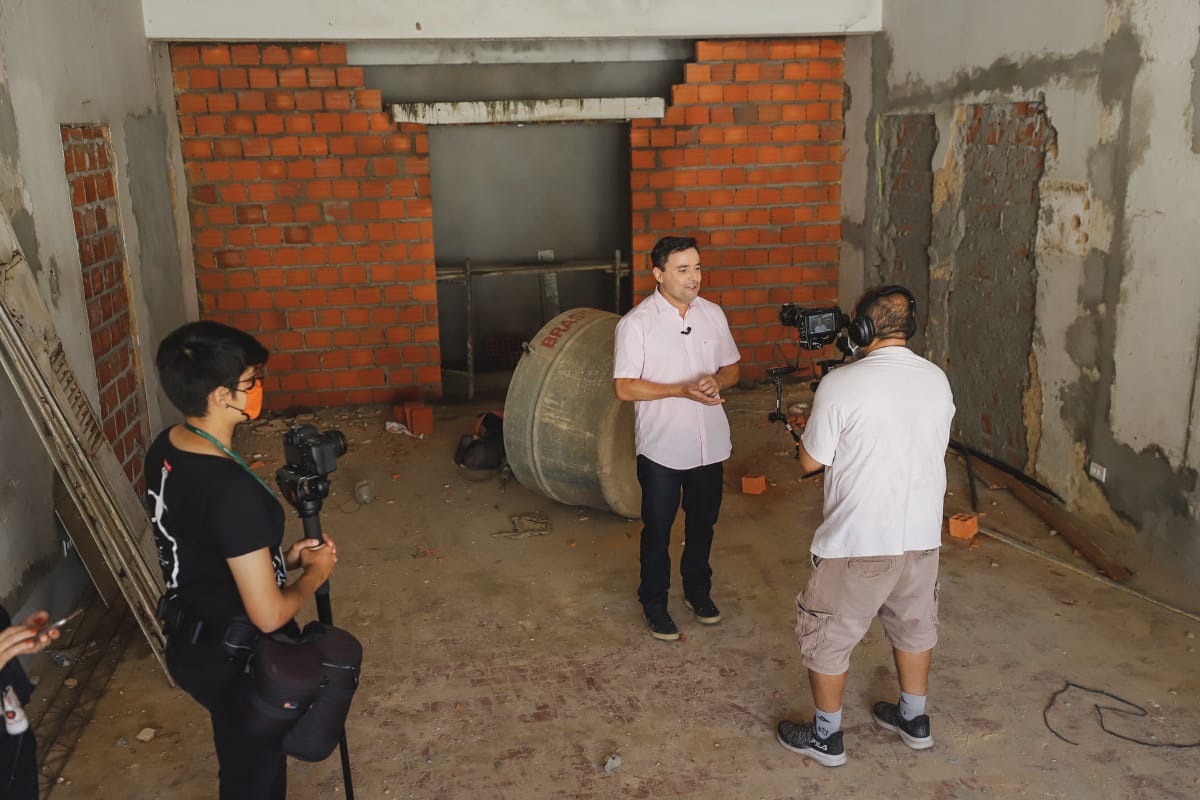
{"x":337,"y":99}
{"x":366,"y":99}
{"x":234,"y":78}
{"x":321,"y":77}
{"x":304,"y":54}
{"x":280,"y":101}
{"x":293,"y":78}
{"x":262,"y":77}
{"x":274,"y":54}
{"x":185,"y":55}
{"x":200,"y":79}
{"x":350,"y":77}
{"x":332,"y":54}
{"x":747,"y":158}
{"x":245,"y":54}
{"x":214,"y":54}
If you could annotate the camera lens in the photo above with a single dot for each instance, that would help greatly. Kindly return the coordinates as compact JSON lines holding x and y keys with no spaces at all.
{"x":789,"y":315}
{"x":335,"y":441}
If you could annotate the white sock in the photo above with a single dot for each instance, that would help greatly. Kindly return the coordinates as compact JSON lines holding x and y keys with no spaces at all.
{"x":911,"y":705}
{"x":827,"y":723}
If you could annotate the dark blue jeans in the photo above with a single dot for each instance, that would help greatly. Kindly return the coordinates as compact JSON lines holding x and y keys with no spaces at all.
{"x":662,"y":487}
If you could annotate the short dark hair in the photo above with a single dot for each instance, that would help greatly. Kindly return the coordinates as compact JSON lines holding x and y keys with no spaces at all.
{"x":668,"y":245}
{"x":196,"y":358}
{"x":890,"y":310}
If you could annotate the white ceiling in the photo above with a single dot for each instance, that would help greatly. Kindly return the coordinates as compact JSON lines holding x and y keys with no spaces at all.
{"x":422,"y":20}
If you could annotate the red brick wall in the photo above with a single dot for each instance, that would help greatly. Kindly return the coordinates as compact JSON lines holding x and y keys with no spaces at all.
{"x":748,"y":160}
{"x":88,"y":163}
{"x":312,"y":221}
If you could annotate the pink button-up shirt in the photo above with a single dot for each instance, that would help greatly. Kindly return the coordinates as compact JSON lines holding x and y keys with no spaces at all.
{"x":651,"y":344}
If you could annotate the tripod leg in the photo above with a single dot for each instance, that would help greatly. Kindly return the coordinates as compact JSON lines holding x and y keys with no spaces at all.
{"x":312,"y":530}
{"x":345,"y":750}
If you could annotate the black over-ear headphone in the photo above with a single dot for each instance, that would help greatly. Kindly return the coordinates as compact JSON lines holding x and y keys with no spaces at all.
{"x":862,"y":327}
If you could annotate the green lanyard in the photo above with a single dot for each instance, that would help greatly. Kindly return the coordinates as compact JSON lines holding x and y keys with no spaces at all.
{"x":228,"y":452}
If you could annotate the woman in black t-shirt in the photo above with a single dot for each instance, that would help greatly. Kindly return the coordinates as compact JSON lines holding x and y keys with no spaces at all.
{"x":219,"y":532}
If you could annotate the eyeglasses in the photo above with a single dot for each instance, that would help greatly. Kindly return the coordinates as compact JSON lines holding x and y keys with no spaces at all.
{"x":254,"y":379}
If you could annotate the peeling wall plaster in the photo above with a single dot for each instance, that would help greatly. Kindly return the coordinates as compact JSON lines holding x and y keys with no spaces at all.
{"x":1115,"y":350}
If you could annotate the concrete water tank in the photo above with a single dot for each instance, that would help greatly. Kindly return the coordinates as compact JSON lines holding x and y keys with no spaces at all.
{"x":566,"y":434}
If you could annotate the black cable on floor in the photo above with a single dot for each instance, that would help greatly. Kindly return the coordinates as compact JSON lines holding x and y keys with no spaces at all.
{"x":1140,"y":712}
{"x":1003,"y":467}
{"x":971,"y":481}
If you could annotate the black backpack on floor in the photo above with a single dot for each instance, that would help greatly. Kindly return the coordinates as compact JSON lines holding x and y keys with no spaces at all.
{"x":483,"y":449}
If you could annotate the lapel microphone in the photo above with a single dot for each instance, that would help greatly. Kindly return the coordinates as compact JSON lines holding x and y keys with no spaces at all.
{"x":689,"y":330}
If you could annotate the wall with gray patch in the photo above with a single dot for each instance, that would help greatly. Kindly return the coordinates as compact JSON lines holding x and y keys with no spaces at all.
{"x":1110,"y":346}
{"x":65,"y":62}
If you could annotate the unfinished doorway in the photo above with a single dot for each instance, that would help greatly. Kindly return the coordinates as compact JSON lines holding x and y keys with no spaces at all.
{"x":88,"y":162}
{"x":521,"y":199}
{"x":984,"y":232}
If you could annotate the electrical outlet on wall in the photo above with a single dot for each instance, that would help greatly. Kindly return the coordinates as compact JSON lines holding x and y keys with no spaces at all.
{"x":1098,"y":471}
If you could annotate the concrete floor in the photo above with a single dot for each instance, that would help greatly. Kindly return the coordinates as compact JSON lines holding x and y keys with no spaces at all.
{"x":504,"y":667}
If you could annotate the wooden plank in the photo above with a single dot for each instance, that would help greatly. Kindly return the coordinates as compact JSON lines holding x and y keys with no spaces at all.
{"x":1057,"y":518}
{"x":32,"y":356}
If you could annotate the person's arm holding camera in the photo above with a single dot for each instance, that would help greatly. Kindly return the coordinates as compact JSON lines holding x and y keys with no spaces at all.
{"x":821,"y":433}
{"x":807,"y":462}
{"x":269,"y":606}
{"x":291,"y":559}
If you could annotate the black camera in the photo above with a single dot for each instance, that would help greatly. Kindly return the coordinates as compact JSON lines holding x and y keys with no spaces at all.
{"x":310,"y":456}
{"x":817,"y":327}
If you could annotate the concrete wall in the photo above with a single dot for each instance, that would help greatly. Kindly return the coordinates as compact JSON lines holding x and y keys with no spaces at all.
{"x":1115,"y":350}
{"x":68,"y":62}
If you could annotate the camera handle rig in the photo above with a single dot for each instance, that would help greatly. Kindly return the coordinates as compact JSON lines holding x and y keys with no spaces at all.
{"x":815,"y":328}
{"x":827,"y":364}
{"x":777,"y":374}
{"x":303,"y":482}
{"x":307,"y":493}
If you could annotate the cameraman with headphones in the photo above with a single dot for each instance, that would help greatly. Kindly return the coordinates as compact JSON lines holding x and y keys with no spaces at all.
{"x":219,"y":531}
{"x":880,"y":427}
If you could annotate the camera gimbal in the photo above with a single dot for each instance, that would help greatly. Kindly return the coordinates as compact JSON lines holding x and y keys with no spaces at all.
{"x":777,"y":374}
{"x":304,"y":482}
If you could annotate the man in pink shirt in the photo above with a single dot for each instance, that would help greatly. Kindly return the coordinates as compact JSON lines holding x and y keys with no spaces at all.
{"x":673,"y":356}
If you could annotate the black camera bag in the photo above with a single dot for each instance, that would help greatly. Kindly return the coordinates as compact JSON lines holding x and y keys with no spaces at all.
{"x":299,"y":688}
{"x":323,"y":722}
{"x":483,"y":449}
{"x":277,"y":685}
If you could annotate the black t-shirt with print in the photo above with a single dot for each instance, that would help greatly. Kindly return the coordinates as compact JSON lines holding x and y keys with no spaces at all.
{"x":204,"y":510}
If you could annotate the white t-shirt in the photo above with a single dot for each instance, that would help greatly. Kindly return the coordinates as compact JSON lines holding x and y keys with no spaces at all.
{"x":651,"y":344}
{"x":881,"y":426}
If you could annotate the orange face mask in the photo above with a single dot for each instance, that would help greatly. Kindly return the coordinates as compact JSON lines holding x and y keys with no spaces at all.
{"x":254,"y":401}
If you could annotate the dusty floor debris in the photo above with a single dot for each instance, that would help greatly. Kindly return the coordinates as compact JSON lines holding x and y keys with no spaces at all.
{"x":499,"y":668}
